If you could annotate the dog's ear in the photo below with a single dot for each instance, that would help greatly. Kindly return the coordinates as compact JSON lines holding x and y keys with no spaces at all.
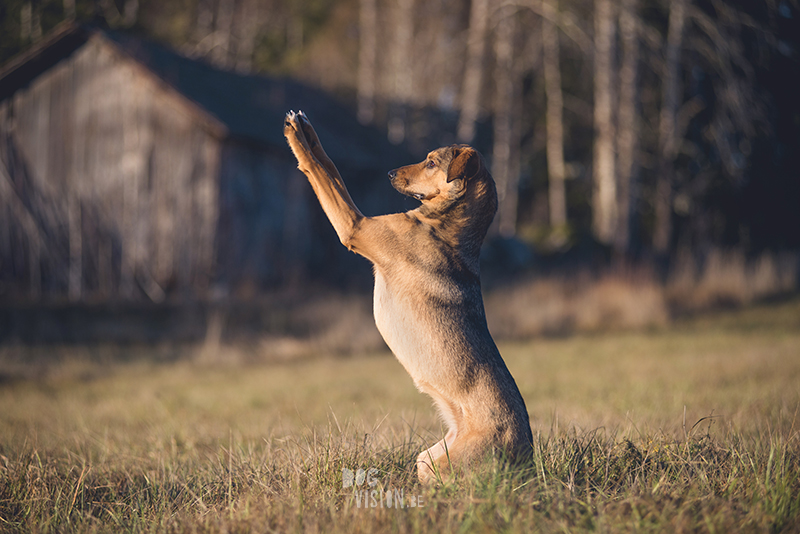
{"x":466,"y":164}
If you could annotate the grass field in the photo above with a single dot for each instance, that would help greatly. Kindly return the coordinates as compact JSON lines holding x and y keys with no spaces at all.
{"x":687,"y":428}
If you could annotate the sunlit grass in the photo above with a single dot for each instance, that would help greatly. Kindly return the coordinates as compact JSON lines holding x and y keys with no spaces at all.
{"x":693,"y":427}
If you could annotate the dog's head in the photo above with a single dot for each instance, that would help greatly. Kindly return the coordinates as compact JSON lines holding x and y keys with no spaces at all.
{"x":442,"y":177}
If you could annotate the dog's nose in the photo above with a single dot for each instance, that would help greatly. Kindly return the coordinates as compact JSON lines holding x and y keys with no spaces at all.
{"x":392,"y":174}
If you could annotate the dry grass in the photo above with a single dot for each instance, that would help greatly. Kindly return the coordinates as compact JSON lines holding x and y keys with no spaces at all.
{"x":584,"y":304}
{"x":727,"y":277}
{"x":633,"y":298}
{"x":691,"y":427}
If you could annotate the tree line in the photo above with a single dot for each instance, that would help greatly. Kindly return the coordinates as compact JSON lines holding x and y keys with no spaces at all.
{"x":647,"y":124}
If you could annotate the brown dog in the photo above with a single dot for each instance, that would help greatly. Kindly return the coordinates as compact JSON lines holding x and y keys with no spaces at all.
{"x":428,"y":304}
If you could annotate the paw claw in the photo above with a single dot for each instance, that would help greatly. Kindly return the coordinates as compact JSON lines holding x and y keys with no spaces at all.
{"x":290,"y":117}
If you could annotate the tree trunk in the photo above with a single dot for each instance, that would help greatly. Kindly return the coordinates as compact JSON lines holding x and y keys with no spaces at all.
{"x":402,"y":89}
{"x":25,"y":17}
{"x":69,"y":9}
{"x":553,"y":120}
{"x":627,"y":128}
{"x":504,"y":144}
{"x":130,"y":12}
{"x":220,"y":54}
{"x":247,"y":23}
{"x":667,"y":139}
{"x":473,"y":71}
{"x":204,"y":26}
{"x":30,"y":22}
{"x":36,"y":23}
{"x":367,"y":60}
{"x":604,"y":195}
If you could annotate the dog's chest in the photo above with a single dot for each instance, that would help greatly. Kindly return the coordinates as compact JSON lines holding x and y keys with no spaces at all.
{"x":402,"y":327}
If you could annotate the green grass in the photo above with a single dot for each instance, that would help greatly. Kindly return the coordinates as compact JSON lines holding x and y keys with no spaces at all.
{"x":690,"y":428}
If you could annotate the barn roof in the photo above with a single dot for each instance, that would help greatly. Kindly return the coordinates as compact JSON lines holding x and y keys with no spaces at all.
{"x":250,"y":108}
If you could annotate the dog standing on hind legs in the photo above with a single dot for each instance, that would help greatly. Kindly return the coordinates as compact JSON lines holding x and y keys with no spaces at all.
{"x":428,"y":304}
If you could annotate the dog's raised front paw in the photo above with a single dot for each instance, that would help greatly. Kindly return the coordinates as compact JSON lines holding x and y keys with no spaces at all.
{"x":308,"y":131}
{"x":293,"y":130}
{"x":296,"y":137}
{"x":291,"y":121}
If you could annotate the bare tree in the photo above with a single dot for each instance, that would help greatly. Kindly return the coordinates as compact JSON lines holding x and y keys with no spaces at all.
{"x":246,"y":26}
{"x":25,"y":21}
{"x":130,"y":12}
{"x":223,"y":28}
{"x":667,"y":139}
{"x":36,"y":23}
{"x":69,"y":9}
{"x":473,"y":71}
{"x":367,"y":59}
{"x":738,"y":107}
{"x":30,"y":22}
{"x":504,"y":150}
{"x":604,"y":196}
{"x":627,"y":121}
{"x":402,"y":88}
{"x":204,"y":26}
{"x":554,"y":120}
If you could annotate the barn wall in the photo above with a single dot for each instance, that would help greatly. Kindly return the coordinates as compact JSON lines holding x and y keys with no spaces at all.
{"x":108,"y":185}
{"x":273,"y":232}
{"x":264,"y":228}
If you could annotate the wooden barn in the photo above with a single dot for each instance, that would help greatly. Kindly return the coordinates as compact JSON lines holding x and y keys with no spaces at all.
{"x":130,"y":172}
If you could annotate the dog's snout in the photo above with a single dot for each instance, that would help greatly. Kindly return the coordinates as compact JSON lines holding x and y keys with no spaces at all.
{"x":393,"y":174}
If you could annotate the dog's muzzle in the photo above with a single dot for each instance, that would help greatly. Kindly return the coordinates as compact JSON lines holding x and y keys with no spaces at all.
{"x":393,"y":179}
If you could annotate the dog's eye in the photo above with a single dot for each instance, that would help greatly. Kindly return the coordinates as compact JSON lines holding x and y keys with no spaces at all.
{"x":431,"y":164}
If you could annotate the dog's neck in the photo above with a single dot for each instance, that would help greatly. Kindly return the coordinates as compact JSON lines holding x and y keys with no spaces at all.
{"x":463,"y":223}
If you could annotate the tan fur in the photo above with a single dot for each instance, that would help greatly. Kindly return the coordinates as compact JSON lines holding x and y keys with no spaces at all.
{"x":428,"y":304}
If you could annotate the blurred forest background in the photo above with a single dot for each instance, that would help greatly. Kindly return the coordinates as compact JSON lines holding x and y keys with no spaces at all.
{"x":647,"y":152}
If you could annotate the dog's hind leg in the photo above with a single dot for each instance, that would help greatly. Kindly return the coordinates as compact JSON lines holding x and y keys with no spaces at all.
{"x":432,"y":463}
{"x":455,"y":452}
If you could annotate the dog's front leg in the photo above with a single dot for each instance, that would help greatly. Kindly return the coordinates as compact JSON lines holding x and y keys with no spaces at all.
{"x":323,"y":176}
